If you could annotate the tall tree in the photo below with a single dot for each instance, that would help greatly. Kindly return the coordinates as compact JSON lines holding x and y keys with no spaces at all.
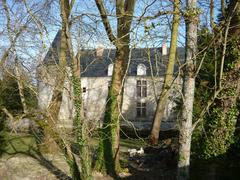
{"x":220,"y":116}
{"x":80,"y":129}
{"x":168,"y":80}
{"x":66,"y":55}
{"x":55,"y":104}
{"x":109,"y":143}
{"x":185,"y":126}
{"x":232,"y":65}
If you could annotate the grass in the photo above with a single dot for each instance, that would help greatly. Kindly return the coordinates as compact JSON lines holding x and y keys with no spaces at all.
{"x":22,"y":143}
{"x":26,"y":144}
{"x":132,"y":143}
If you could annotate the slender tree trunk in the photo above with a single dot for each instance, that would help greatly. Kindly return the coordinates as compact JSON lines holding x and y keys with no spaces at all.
{"x":185,"y":131}
{"x":20,"y":87}
{"x":80,"y":129}
{"x":54,"y":107}
{"x":212,"y":24}
{"x":168,"y":80}
{"x":223,"y":7}
{"x":56,"y":101}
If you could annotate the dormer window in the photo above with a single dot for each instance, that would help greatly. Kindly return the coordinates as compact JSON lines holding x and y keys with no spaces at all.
{"x":110,"y":70}
{"x":141,"y":70}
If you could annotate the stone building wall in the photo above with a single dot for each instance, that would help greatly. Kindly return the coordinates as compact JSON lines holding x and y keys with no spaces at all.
{"x":95,"y":91}
{"x":95,"y":99}
{"x":46,"y":82}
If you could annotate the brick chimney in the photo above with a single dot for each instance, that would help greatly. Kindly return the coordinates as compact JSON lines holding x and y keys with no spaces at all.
{"x":99,"y":51}
{"x":164,"y":48}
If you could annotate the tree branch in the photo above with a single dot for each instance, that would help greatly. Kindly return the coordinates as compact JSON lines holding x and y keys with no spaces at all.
{"x":105,"y":21}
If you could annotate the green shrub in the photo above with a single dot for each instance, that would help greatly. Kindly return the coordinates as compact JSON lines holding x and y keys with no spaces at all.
{"x":10,"y":98}
{"x":2,"y":133}
{"x":220,"y":129}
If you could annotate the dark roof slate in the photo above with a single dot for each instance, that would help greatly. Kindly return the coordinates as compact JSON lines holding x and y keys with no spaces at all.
{"x":95,"y":66}
{"x":52,"y":56}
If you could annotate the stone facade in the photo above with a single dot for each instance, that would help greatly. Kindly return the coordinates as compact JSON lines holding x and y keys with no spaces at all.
{"x":46,"y":83}
{"x":95,"y":91}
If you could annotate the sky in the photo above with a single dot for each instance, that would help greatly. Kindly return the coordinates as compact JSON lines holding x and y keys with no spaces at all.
{"x":89,"y":32}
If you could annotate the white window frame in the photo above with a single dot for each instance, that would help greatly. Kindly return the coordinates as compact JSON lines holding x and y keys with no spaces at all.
{"x":141,"y":70}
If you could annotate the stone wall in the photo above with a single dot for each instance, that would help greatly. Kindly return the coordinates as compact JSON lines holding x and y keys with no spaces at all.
{"x":96,"y":95}
{"x":46,"y":82}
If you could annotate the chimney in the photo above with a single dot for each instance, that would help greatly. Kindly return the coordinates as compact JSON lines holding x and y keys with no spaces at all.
{"x":164,"y":49}
{"x":99,"y":51}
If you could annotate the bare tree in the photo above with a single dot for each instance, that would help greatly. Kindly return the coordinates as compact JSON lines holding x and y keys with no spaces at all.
{"x":168,"y":80}
{"x":109,"y":144}
{"x":80,"y":130}
{"x":185,"y":127}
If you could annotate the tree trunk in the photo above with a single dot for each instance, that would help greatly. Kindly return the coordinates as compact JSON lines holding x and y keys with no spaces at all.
{"x":111,"y":124}
{"x":108,"y":158}
{"x":185,"y":131}
{"x":56,"y":101}
{"x":223,"y":7}
{"x":20,"y":86}
{"x":80,"y":128}
{"x":54,"y":107}
{"x":168,"y":80}
{"x":212,"y":14}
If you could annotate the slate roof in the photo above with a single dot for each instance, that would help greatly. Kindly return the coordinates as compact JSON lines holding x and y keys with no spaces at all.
{"x":52,"y":56}
{"x":95,"y":66}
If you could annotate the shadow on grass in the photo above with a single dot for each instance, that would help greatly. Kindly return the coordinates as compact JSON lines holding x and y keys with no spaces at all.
{"x":50,"y":166}
{"x":26,"y":145}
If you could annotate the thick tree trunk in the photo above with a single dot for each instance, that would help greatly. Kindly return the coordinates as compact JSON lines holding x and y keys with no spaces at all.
{"x":168,"y":80}
{"x":111,"y":123}
{"x":108,"y":159}
{"x":233,"y":11}
{"x":185,"y":131}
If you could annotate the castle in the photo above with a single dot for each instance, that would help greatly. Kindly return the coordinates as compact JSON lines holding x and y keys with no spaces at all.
{"x":143,"y":83}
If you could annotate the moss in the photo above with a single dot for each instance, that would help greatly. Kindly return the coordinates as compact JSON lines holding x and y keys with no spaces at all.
{"x":80,"y":132}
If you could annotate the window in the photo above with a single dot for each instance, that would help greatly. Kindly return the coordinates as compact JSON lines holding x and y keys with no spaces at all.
{"x":141,"y":88}
{"x":110,"y":69}
{"x":141,"y":70}
{"x":141,"y":109}
{"x":84,"y":89}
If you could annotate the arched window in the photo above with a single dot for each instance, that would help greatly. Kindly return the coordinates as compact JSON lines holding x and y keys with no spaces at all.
{"x":110,"y":69}
{"x":141,"y":70}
